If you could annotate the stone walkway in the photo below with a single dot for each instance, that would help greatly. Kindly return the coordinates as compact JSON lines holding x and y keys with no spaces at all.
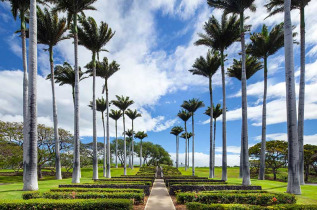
{"x":159,"y":198}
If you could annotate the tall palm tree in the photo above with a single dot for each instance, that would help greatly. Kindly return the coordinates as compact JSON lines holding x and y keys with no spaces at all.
{"x":115,"y":115}
{"x":239,"y":7}
{"x":185,"y":115}
{"x":130,"y":135}
{"x":51,"y":30}
{"x":94,"y":38}
{"x":73,"y":8}
{"x":123,"y":103}
{"x":141,"y":135}
{"x":105,"y":70}
{"x":65,"y":75}
{"x":132,"y":115}
{"x":101,"y":106}
{"x":30,"y":176}
{"x":191,"y":106}
{"x":274,"y":7}
{"x":253,"y":65}
{"x":292,"y":132}
{"x":217,"y":112}
{"x":186,"y":137}
{"x":207,"y":68}
{"x":176,"y":131}
{"x":263,"y":45}
{"x":219,"y":36}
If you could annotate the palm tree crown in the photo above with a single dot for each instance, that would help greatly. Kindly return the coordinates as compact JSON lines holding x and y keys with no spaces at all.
{"x":232,"y":6}
{"x":100,"y":104}
{"x":115,"y":114}
{"x":277,"y":6}
{"x":177,"y":130}
{"x":253,"y":65}
{"x":192,"y":105}
{"x":122,"y":102}
{"x":189,"y":135}
{"x":129,"y":133}
{"x":140,"y":135}
{"x":217,"y":111}
{"x":184,"y":115}
{"x":133,"y":114}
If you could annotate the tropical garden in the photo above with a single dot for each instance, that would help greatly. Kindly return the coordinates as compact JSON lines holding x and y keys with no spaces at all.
{"x":68,"y":169}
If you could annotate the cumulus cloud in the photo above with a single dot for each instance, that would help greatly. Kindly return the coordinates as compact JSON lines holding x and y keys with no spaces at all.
{"x":308,"y":139}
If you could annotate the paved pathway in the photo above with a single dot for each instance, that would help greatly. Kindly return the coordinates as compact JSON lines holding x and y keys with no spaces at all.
{"x":159,"y":198}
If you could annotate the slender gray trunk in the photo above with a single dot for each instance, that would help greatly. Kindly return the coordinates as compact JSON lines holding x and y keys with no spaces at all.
{"x":108,"y":135}
{"x":130,"y":149}
{"x":187,"y":152}
{"x":141,"y":154}
{"x":263,"y":142}
{"x":94,"y":120}
{"x":193,"y":147}
{"x":104,"y":145}
{"x":214,"y":149}
{"x":124,"y":145}
{"x":241,"y":158}
{"x":31,"y":178}
{"x":186,"y":149}
{"x":301,"y":102}
{"x":211,"y":166}
{"x":293,"y":147}
{"x":116,"y":143}
{"x":224,"y":120}
{"x":58,"y":167}
{"x":246,"y":167}
{"x":177,"y":143}
{"x":132,"y":145}
{"x":76,"y":168}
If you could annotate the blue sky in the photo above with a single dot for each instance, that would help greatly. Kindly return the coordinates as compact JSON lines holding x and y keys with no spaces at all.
{"x":154,"y":46}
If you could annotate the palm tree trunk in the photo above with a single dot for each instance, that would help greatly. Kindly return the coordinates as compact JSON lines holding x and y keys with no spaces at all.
{"x":31,"y":179}
{"x":224,"y":119}
{"x":116,"y":143}
{"x":104,"y":145}
{"x":94,"y":120}
{"x":141,"y":154}
{"x":108,"y":134}
{"x":241,"y":158}
{"x":211,"y":166}
{"x":246,"y":168}
{"x":301,"y":102}
{"x":214,"y":149}
{"x":263,"y":142}
{"x":193,"y":147}
{"x":187,"y":152}
{"x":186,"y":149}
{"x":55,"y":119}
{"x":132,"y":142}
{"x":76,"y":168}
{"x":130,"y":149}
{"x":177,"y":151}
{"x":25,"y":92}
{"x":292,"y":132}
{"x":124,"y":146}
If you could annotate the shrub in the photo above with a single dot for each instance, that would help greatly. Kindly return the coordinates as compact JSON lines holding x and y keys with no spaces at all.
{"x":237,"y":198}
{"x":200,"y":206}
{"x":113,"y":204}
{"x":197,"y":183}
{"x":193,"y":181}
{"x":97,"y":190}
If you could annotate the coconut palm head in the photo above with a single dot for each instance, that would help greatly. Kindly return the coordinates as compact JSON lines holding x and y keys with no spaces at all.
{"x":129,"y":133}
{"x":220,"y":35}
{"x":140,"y":135}
{"x":208,"y":66}
{"x":184,"y":115}
{"x":104,"y":69}
{"x":101,"y":104}
{"x":192,"y":105}
{"x":277,"y":6}
{"x":177,"y":130}
{"x":122,"y":102}
{"x":232,"y":6}
{"x":133,"y":114}
{"x":217,"y":111}
{"x":189,"y":135}
{"x":252,"y":64}
{"x":115,"y":114}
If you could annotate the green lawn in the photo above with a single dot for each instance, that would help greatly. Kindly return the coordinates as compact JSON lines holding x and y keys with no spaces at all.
{"x":309,"y":193}
{"x":11,"y":186}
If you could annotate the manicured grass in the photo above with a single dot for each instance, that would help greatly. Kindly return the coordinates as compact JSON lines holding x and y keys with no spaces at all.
{"x":309,"y":193}
{"x":11,"y":186}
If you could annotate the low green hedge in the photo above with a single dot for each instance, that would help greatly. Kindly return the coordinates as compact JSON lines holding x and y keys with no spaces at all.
{"x":200,"y":206}
{"x":97,"y":190}
{"x":193,"y":181}
{"x":196,"y":183}
{"x":137,"y":197}
{"x":124,"y":182}
{"x":236,"y":191}
{"x":113,"y":204}
{"x":123,"y":179}
{"x":264,"y":199}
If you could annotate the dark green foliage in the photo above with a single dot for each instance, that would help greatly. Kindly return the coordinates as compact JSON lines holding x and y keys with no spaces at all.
{"x":176,"y":130}
{"x":200,"y":206}
{"x":96,"y":190}
{"x":192,"y":181}
{"x":50,"y":204}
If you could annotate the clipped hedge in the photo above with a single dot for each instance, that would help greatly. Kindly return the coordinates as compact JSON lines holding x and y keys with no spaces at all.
{"x":197,"y":188}
{"x":124,"y":182}
{"x":136,"y":197}
{"x":180,"y":181}
{"x":113,"y":204}
{"x":110,"y":190}
{"x":138,"y":180}
{"x":146,"y":188}
{"x":263,"y":199}
{"x":200,"y":206}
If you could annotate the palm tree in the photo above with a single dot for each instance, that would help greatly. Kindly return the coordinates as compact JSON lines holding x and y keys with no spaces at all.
{"x":253,"y":65}
{"x":130,"y":134}
{"x":51,"y":30}
{"x":184,"y":115}
{"x":105,"y":70}
{"x":186,"y":137}
{"x":276,"y":6}
{"x":101,"y":106}
{"x":191,"y":106}
{"x":263,"y":45}
{"x":207,"y":68}
{"x":30,"y":176}
{"x":132,"y":115}
{"x":176,"y":131}
{"x":220,"y":36}
{"x":72,"y":8}
{"x":94,"y":39}
{"x":239,"y":7}
{"x":217,"y":112}
{"x":123,"y":103}
{"x":141,"y":135}
{"x":65,"y":75}
{"x":115,"y":115}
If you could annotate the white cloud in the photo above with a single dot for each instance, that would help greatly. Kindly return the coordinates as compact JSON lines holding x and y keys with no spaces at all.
{"x":308,"y":139}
